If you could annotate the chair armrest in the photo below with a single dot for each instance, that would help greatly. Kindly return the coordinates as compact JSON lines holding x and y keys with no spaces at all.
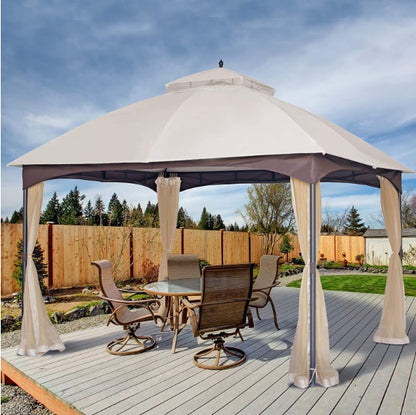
{"x":132,"y":291}
{"x":186,"y":303}
{"x":266,"y":288}
{"x":131,"y":302}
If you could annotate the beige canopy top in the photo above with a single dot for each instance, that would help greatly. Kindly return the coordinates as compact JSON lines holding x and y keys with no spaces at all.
{"x":213,"y":127}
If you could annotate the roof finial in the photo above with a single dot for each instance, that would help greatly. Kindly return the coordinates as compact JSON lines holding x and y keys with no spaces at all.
{"x":221,"y":63}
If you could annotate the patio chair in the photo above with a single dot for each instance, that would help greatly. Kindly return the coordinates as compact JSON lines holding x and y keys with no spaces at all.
{"x":265,"y":281}
{"x":122,"y":315}
{"x":182,"y":267}
{"x":226,"y":292}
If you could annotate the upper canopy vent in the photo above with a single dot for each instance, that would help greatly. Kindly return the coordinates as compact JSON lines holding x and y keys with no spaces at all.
{"x":218,"y":76}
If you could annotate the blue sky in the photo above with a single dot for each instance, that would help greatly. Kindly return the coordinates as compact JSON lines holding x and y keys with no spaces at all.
{"x":67,"y":62}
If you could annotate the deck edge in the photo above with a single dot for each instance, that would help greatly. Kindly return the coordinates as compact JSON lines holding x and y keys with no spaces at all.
{"x":12,"y":375}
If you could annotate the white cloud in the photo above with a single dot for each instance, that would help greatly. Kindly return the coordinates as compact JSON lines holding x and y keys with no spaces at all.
{"x":33,"y":120}
{"x":359,"y":72}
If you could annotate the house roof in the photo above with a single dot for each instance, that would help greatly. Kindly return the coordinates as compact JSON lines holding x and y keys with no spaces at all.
{"x":382,"y":233}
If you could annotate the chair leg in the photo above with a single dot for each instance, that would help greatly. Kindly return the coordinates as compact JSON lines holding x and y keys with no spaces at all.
{"x":258,"y":315}
{"x":168,"y":305}
{"x":274,"y":314}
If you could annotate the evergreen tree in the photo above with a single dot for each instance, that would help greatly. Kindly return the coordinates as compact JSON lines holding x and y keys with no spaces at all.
{"x":112,"y":203}
{"x":354,"y":224}
{"x":52,"y":211}
{"x":6,"y":220}
{"x":89,"y":214}
{"x":218,"y":223}
{"x":100,"y":216}
{"x":38,"y":259}
{"x":184,"y":220}
{"x":151,"y":215}
{"x":285,"y":246}
{"x":125,"y":212}
{"x":204,"y":221}
{"x":115,"y":212}
{"x":71,"y":208}
{"x":17,"y":216}
{"x":136,"y":216}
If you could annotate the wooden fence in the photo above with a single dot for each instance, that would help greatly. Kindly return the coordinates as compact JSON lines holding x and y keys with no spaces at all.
{"x":136,"y":252}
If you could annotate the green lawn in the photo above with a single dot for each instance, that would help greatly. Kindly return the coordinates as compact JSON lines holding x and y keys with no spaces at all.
{"x":374,"y":284}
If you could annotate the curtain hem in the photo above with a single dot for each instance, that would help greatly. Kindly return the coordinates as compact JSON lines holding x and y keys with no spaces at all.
{"x":391,"y":340}
{"x":300,"y":381}
{"x":328,"y":381}
{"x":39,"y":351}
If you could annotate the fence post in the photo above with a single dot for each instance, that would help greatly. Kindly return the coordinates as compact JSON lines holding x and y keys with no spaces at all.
{"x":222,"y":246}
{"x":50,"y":254}
{"x":182,"y":240}
{"x":249,"y":246}
{"x":335,"y":248}
{"x":131,"y":244}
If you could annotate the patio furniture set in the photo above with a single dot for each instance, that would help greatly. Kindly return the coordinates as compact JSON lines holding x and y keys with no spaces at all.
{"x":216,"y":304}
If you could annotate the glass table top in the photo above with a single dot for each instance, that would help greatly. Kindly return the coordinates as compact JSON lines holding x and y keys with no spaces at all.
{"x":187,"y":286}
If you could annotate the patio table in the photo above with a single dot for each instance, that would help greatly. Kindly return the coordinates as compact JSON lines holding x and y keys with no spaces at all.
{"x":176,"y":289}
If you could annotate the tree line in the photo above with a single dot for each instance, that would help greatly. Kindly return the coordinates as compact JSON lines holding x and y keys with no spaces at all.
{"x":268,"y":211}
{"x":71,"y":211}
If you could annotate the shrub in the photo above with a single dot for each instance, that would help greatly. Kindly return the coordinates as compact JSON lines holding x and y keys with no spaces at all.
{"x":150,"y":271}
{"x":360,"y":259}
{"x":202,"y":264}
{"x":410,"y":256}
{"x":39,"y":261}
{"x":298,"y":261}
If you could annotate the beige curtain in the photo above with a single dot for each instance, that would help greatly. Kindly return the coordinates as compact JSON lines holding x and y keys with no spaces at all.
{"x":38,"y":334}
{"x":299,"y":358}
{"x":392,"y":328}
{"x":168,"y":202}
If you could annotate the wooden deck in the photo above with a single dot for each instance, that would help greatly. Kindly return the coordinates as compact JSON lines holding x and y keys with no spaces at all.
{"x":374,"y":378}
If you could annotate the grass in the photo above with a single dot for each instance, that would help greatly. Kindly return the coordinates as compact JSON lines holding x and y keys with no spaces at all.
{"x":373,"y":284}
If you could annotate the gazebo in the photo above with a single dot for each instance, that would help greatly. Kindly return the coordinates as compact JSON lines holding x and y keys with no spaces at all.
{"x":221,"y":127}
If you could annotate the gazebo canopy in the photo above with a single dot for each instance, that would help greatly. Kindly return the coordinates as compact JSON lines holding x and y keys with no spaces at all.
{"x":213,"y":127}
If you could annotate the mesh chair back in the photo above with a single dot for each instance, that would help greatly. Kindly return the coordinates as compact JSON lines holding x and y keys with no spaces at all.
{"x":110,"y":290}
{"x":183,"y":266}
{"x":267,"y":273}
{"x":224,"y":283}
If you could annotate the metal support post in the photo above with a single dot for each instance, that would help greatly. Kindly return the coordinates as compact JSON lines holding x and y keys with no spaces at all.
{"x":312,"y":286}
{"x":24,"y":250}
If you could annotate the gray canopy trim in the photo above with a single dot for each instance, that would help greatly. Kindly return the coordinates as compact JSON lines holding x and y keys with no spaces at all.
{"x":310,"y":168}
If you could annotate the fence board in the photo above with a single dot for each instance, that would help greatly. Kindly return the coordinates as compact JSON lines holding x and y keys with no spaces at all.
{"x":235,"y":247}
{"x":10,"y":234}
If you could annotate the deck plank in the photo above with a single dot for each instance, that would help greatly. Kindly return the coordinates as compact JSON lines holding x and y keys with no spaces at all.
{"x":223,"y":397}
{"x":171,"y":404}
{"x":166,"y":387}
{"x":373,"y":377}
{"x":280,"y":403}
{"x":354,"y":327}
{"x":385,"y":395}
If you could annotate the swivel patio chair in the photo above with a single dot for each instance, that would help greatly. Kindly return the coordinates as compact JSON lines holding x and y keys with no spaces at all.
{"x":226,"y":292}
{"x":265,"y":281}
{"x":121,"y":314}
